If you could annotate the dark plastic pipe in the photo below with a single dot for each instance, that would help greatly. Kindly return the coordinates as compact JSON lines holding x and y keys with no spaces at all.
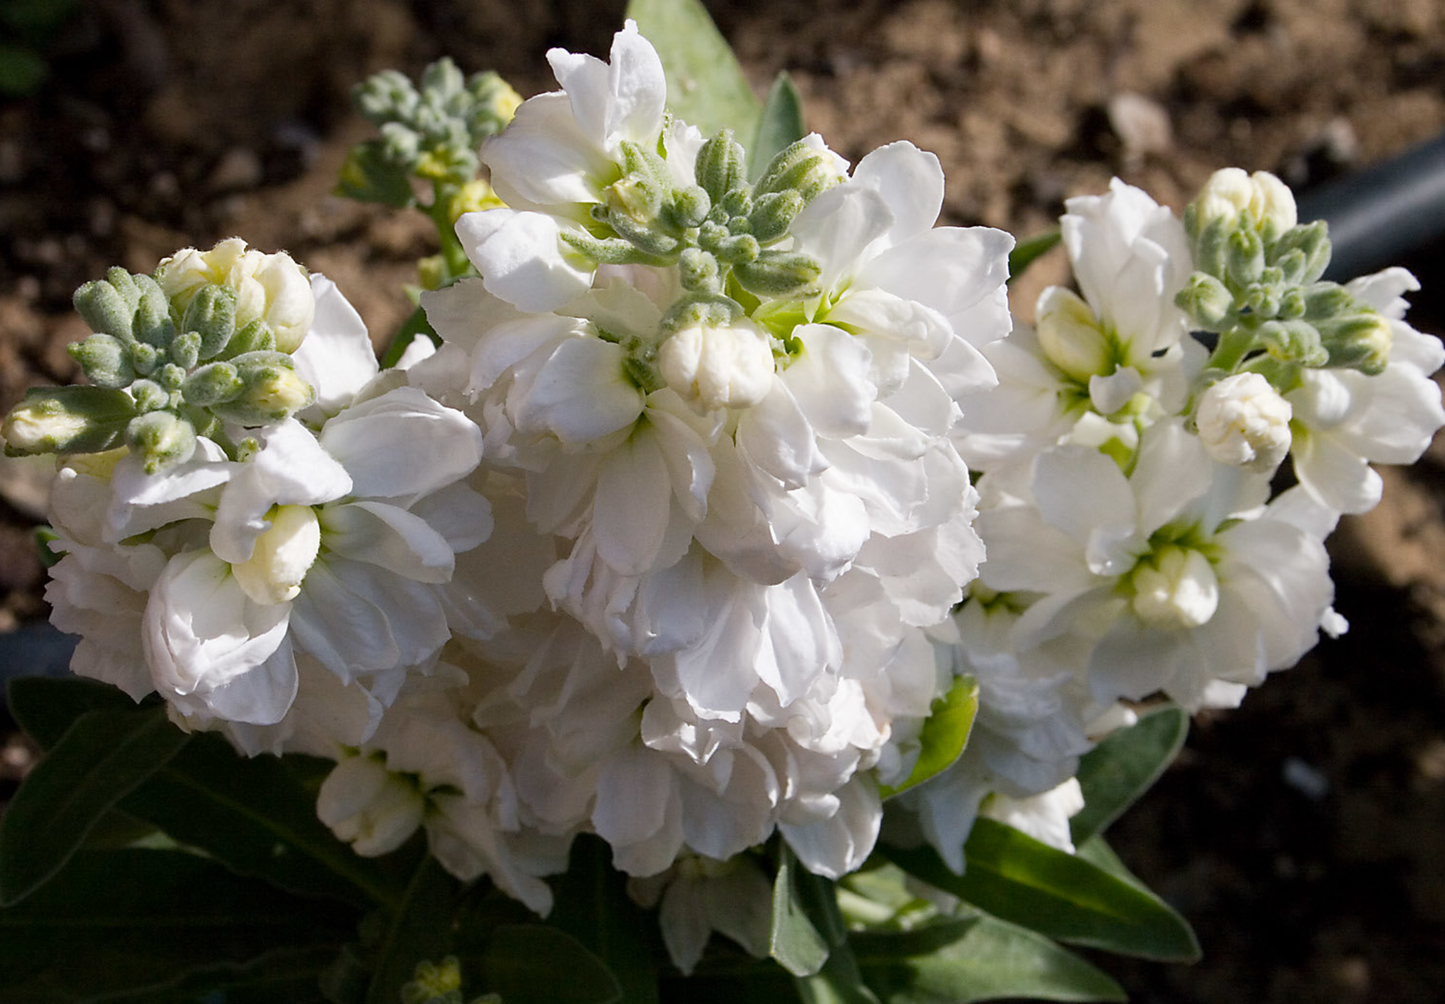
{"x":1380,"y":215}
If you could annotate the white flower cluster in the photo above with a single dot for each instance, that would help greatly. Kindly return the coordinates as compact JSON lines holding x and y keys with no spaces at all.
{"x":674,"y":538}
{"x":1135,"y":543}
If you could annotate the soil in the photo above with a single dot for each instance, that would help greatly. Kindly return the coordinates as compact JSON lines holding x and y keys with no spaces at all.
{"x":1301,"y":833}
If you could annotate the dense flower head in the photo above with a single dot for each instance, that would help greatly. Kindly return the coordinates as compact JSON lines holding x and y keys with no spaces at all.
{"x":712,"y":491}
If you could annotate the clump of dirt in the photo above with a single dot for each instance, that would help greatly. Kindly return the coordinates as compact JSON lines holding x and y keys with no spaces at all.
{"x":1298,"y":833}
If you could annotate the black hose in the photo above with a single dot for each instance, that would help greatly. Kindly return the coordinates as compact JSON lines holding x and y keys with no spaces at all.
{"x":1380,"y":215}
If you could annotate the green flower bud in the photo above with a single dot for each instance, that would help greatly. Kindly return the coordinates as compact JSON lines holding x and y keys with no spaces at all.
{"x":1311,"y":242}
{"x":384,"y":96}
{"x":1294,"y":341}
{"x":699,"y":271}
{"x":185,"y":350}
{"x":104,"y":360}
{"x":442,"y":80}
{"x":162,"y":439}
{"x":1244,"y":262}
{"x":494,"y":104}
{"x":773,"y":213}
{"x":150,"y":395}
{"x":212,"y":384}
{"x":779,"y":273}
{"x":739,"y":202}
{"x":171,"y":377}
{"x":803,"y":167}
{"x":1206,"y":300}
{"x":1292,"y":305}
{"x":701,"y":310}
{"x":212,"y":315}
{"x":105,"y":305}
{"x":143,"y":358}
{"x":741,"y":249}
{"x":67,"y":420}
{"x":152,"y":324}
{"x":254,"y":337}
{"x":721,"y":165}
{"x":369,"y":175}
{"x":272,"y":391}
{"x":689,"y":207}
{"x":1360,"y":342}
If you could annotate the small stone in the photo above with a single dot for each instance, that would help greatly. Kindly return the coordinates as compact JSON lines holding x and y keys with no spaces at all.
{"x":238,"y":169}
{"x":1141,"y":124}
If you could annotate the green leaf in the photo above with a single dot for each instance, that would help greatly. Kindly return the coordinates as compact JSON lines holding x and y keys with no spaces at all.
{"x":103,"y":756}
{"x":142,"y":926}
{"x":369,"y":175}
{"x":1099,"y":854}
{"x":1019,"y":879}
{"x":417,"y":928}
{"x":780,"y":125}
{"x":794,"y":940}
{"x":944,"y":734}
{"x":1026,"y":251}
{"x":592,"y":906}
{"x":1124,"y":766}
{"x":976,"y":959}
{"x":538,"y":964}
{"x":45,"y":707}
{"x":706,"y":86}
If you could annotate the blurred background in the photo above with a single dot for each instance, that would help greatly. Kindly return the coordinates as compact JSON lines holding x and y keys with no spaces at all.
{"x":1301,"y":834}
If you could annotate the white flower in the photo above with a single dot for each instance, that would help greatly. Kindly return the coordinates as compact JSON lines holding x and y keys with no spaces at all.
{"x":1242,"y":420}
{"x":726,"y":367}
{"x":1345,"y":420}
{"x":1044,"y":816}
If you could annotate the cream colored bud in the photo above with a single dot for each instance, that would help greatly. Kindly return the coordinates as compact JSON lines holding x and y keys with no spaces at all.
{"x":1177,"y":588}
{"x":1243,"y":421}
{"x":268,"y":287}
{"x":720,"y":367}
{"x":282,"y":556}
{"x":1230,"y":192}
{"x":1070,"y":335}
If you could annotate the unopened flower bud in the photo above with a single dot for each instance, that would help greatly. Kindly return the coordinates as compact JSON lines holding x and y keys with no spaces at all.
{"x":1206,"y":300}
{"x":1231,"y":194}
{"x":67,"y":420}
{"x":104,"y":360}
{"x":1303,"y":253}
{"x":212,"y":315}
{"x":367,"y":805}
{"x":1359,"y":342}
{"x":807,"y":167}
{"x":282,"y":556}
{"x":1244,"y":257}
{"x":1070,"y":336}
{"x":273,"y":391}
{"x":149,"y":395}
{"x":773,"y":213}
{"x":719,"y":367}
{"x":1294,"y":341}
{"x":268,"y":287}
{"x":162,"y":439}
{"x":212,"y":384}
{"x":1243,"y":421}
{"x":720,"y":165}
{"x":105,"y":305}
{"x":1175,"y":588}
{"x":779,"y":273}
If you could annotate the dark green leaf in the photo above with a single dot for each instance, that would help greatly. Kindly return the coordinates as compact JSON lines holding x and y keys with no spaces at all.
{"x":254,"y":815}
{"x":103,"y":756}
{"x":417,"y":928}
{"x":976,"y":959}
{"x":45,"y":707}
{"x":706,"y":86}
{"x":141,"y":926}
{"x":794,"y":939}
{"x":1122,"y":767}
{"x":538,"y":964}
{"x":1026,"y":251}
{"x":780,"y":125}
{"x":592,"y":906}
{"x":838,"y":982}
{"x":1061,"y":895}
{"x":1102,"y":856}
{"x":944,"y":735}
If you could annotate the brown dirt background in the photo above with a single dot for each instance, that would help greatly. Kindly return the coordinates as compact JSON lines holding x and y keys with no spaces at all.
{"x":167,"y":123}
